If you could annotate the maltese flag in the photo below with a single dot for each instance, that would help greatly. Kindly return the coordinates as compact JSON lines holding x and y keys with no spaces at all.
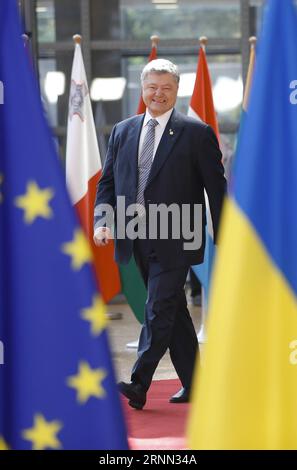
{"x":83,"y":170}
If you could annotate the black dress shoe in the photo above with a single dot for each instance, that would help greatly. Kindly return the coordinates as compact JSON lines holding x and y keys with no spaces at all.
{"x":182,"y":396}
{"x":135,"y":393}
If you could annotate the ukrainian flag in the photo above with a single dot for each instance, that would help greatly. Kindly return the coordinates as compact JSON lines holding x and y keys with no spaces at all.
{"x":245,"y":395}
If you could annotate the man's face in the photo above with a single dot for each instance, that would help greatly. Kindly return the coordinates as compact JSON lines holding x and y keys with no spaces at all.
{"x":159,"y":92}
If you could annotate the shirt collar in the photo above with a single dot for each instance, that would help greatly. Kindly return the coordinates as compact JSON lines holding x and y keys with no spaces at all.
{"x":162,"y":120}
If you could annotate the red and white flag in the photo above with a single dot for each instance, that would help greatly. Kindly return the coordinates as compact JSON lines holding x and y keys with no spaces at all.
{"x":202,"y":108}
{"x":153,"y":55}
{"x":83,"y":170}
{"x":201,"y":105}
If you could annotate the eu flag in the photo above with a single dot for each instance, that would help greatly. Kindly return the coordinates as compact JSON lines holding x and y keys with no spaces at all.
{"x":57,"y":387}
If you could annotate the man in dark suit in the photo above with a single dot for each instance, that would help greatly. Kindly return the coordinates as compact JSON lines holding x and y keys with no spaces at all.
{"x":161,"y":157}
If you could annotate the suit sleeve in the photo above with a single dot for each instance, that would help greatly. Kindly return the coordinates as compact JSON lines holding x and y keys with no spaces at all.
{"x":105,"y":187}
{"x":212,"y":171}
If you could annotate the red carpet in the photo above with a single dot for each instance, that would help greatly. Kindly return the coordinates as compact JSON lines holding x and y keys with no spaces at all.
{"x":160,"y":425}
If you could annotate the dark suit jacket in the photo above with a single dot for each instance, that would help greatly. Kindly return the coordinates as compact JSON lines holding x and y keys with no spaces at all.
{"x":188,"y":159}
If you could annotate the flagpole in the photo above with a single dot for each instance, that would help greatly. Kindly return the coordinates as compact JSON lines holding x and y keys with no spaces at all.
{"x":253,"y":42}
{"x":26,"y":39}
{"x":201,"y":336}
{"x":155,"y":40}
{"x":77,"y":39}
{"x":203,"y":40}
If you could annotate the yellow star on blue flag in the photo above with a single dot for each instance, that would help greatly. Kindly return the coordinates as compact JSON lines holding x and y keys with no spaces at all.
{"x":95,"y":315}
{"x":3,"y":444}
{"x":88,"y":382}
{"x":35,"y":202}
{"x":78,"y":249}
{"x":43,"y":434}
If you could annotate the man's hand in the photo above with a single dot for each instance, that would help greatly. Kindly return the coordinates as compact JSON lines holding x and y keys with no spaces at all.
{"x":102,"y":236}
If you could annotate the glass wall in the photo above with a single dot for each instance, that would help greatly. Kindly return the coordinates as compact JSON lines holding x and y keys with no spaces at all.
{"x":57,"y":20}
{"x":180,"y":20}
{"x":116,"y":44}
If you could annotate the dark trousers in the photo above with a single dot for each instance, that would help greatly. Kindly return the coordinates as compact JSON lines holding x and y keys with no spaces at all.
{"x":195,"y":284}
{"x":167,"y":324}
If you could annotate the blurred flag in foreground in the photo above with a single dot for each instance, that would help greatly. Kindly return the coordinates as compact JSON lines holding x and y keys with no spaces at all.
{"x":57,"y":388}
{"x":83,"y":170}
{"x":245,"y":393}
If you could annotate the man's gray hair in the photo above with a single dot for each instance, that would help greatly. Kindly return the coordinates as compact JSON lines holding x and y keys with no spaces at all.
{"x":160,"y":66}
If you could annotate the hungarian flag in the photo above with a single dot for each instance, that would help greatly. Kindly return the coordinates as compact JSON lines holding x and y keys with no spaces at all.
{"x":83,"y":170}
{"x":153,"y":55}
{"x":202,"y":108}
{"x":201,"y":105}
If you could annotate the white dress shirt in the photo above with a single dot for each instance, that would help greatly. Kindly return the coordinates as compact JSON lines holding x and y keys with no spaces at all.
{"x":159,"y":129}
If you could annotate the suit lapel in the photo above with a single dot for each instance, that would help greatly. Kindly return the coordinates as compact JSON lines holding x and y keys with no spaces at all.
{"x":131,"y":145}
{"x":169,"y":138}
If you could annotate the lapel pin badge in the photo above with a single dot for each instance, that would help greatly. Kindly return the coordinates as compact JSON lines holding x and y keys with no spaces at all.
{"x":171,"y":132}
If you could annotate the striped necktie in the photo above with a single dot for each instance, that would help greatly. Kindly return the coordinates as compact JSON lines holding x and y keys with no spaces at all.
{"x":145,"y":161}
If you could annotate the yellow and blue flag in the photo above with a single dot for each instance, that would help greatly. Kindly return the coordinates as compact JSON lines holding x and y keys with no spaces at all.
{"x":245,"y":392}
{"x":57,"y":388}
